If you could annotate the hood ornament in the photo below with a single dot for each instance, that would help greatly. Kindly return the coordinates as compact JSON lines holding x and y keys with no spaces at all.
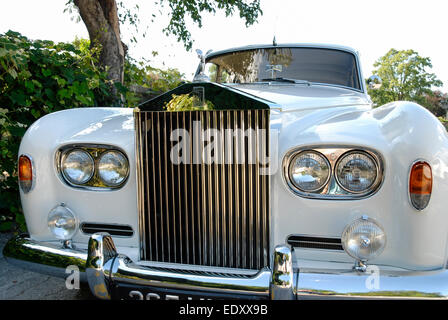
{"x":201,"y":76}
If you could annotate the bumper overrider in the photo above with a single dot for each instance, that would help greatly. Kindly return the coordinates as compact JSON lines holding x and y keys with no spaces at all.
{"x":112,"y":275}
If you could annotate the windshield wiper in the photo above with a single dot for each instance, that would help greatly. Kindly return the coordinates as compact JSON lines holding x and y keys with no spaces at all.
{"x":296,"y":81}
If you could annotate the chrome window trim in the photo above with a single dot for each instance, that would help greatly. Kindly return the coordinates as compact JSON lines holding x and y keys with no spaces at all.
{"x":61,"y":150}
{"x":362,"y":88}
{"x":333,"y":154}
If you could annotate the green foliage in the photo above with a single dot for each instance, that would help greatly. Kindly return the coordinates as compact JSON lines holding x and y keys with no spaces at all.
{"x":405,"y":77}
{"x":179,"y":10}
{"x":187,"y":102}
{"x":437,"y":102}
{"x":444,"y":122}
{"x":140,"y":77}
{"x":38,"y":77}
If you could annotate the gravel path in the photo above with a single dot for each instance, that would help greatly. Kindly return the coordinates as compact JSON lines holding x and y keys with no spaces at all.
{"x":19,"y":284}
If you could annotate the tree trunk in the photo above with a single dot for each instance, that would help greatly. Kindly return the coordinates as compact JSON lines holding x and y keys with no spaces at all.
{"x":101,"y":20}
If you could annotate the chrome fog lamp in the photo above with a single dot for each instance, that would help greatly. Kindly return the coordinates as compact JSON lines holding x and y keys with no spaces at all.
{"x":62,"y":222}
{"x":309,"y":171}
{"x":113,"y":168}
{"x":363,"y":239}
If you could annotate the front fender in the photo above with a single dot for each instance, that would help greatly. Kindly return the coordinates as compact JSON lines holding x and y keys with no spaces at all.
{"x":402,"y":132}
{"x":110,"y":126}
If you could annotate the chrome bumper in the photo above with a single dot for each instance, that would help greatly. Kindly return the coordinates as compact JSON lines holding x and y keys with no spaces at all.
{"x":104,"y":269}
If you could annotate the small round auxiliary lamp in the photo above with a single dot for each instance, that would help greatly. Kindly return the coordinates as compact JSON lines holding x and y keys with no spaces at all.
{"x":363,"y":240}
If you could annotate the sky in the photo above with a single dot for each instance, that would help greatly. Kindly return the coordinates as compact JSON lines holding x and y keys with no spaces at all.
{"x":370,"y":27}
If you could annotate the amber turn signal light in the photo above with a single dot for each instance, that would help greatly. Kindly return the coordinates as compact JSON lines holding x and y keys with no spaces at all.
{"x":420,"y":184}
{"x":25,"y":173}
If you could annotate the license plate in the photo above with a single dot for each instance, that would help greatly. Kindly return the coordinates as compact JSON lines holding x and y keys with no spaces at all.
{"x":128,"y":292}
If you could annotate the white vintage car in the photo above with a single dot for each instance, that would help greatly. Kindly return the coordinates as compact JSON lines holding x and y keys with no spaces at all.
{"x":287,"y":185}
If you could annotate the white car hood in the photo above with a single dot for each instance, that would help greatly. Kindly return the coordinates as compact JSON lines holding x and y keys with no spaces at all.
{"x":304,"y":97}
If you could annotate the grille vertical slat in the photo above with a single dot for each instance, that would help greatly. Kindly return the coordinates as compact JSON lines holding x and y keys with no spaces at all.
{"x":214,"y":209}
{"x":223,"y":187}
{"x":237,"y":195}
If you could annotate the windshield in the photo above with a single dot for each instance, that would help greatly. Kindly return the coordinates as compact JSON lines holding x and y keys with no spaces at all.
{"x":317,"y":65}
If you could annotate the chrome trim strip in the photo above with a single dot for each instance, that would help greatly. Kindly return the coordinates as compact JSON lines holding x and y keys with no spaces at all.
{"x":237,"y":195}
{"x":154,"y":200}
{"x":217,"y":204}
{"x":337,"y":284}
{"x":144,"y":191}
{"x":125,"y":271}
{"x":224,"y":188}
{"x":230,"y":186}
{"x":42,"y":257}
{"x":165,"y":165}
{"x":139,"y":172}
{"x":52,"y":259}
{"x":243,"y":196}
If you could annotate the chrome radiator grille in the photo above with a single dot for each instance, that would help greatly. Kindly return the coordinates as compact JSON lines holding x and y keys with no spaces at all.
{"x":197,"y":212}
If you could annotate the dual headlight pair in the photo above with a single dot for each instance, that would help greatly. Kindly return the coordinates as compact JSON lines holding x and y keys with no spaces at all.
{"x":94,"y":167}
{"x":354,"y":171}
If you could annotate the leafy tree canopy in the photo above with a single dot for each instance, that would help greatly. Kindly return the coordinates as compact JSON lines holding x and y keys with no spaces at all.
{"x":405,"y":77}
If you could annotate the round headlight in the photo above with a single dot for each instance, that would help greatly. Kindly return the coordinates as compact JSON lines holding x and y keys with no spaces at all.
{"x":62,"y":222}
{"x":113,"y":168}
{"x":309,"y":171}
{"x":356,"y":172}
{"x":363,"y":239}
{"x":77,"y":166}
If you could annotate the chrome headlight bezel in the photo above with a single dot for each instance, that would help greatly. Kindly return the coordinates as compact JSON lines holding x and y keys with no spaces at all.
{"x":369,"y":156}
{"x":95,"y":182}
{"x":325,"y":161}
{"x":98,"y":164}
{"x":67,"y":178}
{"x":332,"y":190}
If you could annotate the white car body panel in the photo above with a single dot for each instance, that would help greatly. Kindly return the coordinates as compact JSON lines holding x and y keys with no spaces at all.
{"x":306,"y":116}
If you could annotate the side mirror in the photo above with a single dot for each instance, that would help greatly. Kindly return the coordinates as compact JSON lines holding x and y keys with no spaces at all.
{"x":374,"y":82}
